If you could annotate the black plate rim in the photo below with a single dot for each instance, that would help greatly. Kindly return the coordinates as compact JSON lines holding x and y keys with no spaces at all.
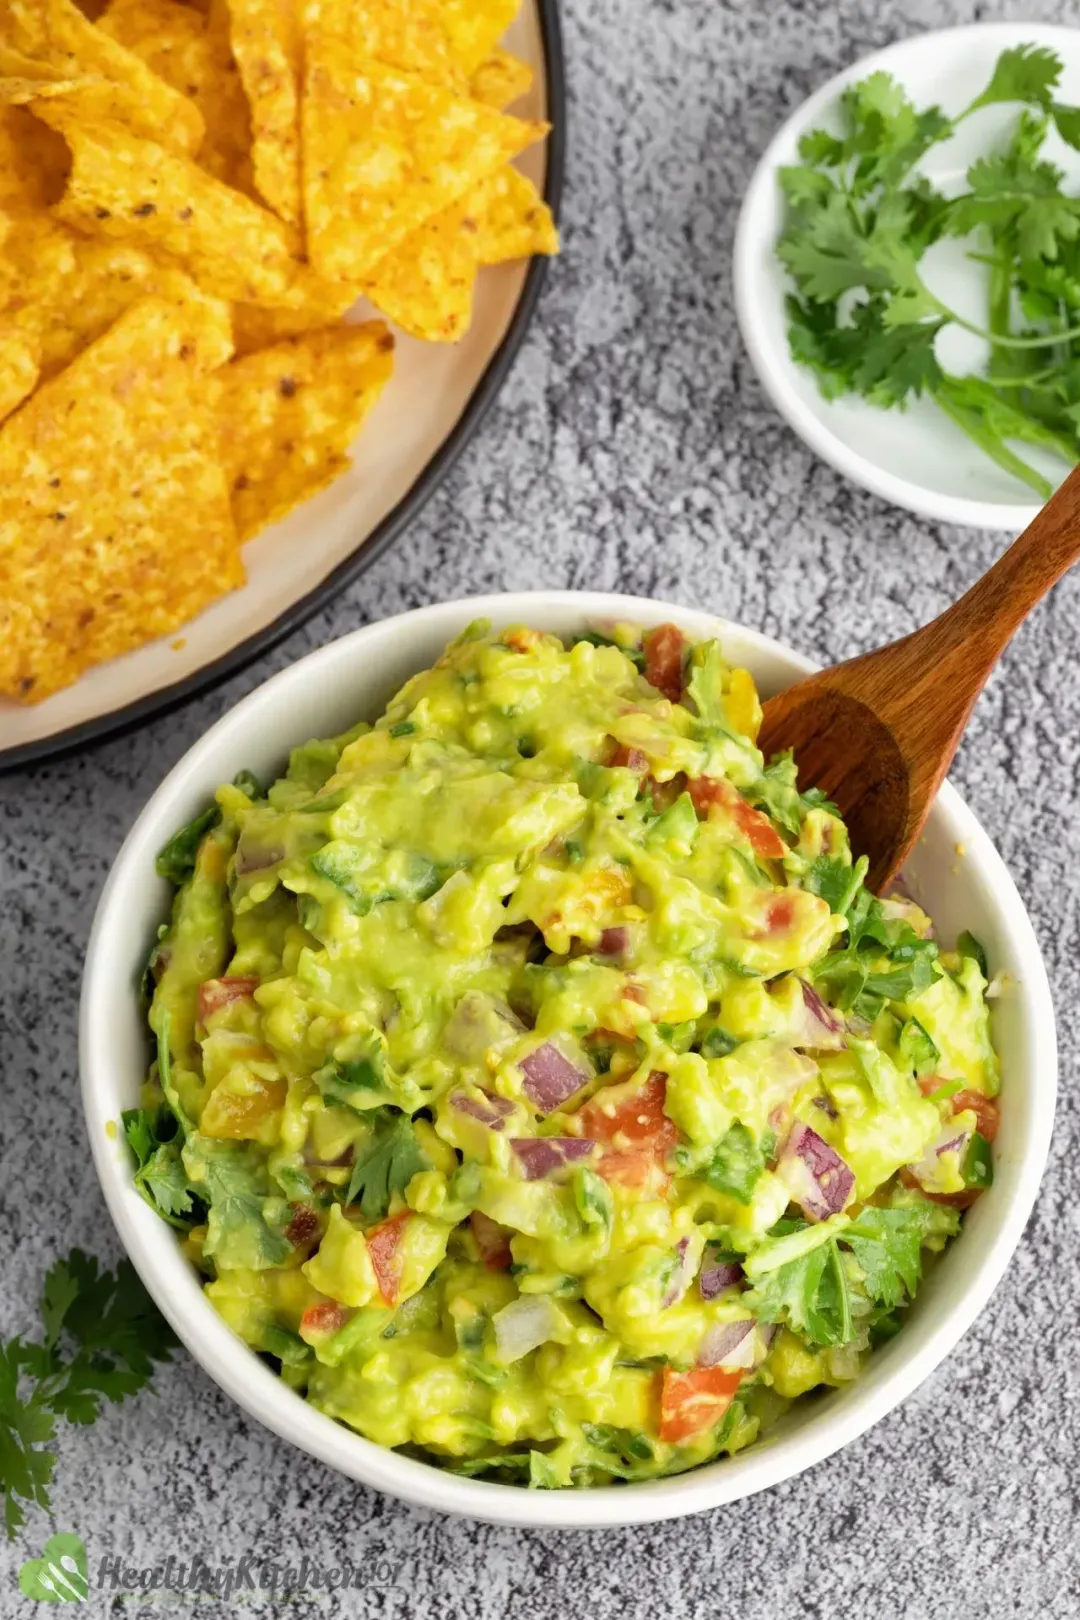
{"x":396,"y":521}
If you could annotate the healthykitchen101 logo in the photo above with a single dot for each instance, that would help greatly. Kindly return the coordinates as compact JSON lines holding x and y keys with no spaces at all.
{"x":62,"y":1575}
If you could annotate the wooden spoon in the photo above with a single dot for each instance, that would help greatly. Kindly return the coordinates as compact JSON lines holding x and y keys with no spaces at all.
{"x":879,"y":732}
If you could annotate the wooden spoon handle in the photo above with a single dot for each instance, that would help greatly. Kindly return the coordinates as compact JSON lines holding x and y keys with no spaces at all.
{"x":988,"y":616}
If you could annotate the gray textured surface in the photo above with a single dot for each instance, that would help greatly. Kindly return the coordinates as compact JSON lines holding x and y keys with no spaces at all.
{"x":631,"y":449}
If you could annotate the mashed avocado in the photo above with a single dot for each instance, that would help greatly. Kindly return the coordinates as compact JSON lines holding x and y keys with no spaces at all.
{"x":538,"y":1085}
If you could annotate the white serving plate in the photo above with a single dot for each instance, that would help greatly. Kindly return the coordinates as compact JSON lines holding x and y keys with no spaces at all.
{"x":916,"y":458}
{"x":433,"y":404}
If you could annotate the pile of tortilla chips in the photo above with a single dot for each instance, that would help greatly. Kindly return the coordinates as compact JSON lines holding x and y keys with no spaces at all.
{"x":193,"y":194}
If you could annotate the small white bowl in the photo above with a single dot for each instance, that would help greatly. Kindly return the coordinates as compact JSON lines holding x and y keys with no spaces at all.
{"x":916,"y":458}
{"x":352,"y":678}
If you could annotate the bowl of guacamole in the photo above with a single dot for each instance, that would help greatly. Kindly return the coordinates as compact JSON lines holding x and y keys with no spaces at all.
{"x":543,"y":1116}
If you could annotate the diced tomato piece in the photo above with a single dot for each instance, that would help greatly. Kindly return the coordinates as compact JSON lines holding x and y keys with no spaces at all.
{"x":522,"y":640}
{"x":217,"y":993}
{"x":639,"y":1134}
{"x":693,"y":1402}
{"x":638,"y":1117}
{"x":755,"y":826}
{"x":384,"y":1247}
{"x":492,"y":1240}
{"x":665,"y":647}
{"x":240,"y":1115}
{"x":641,"y":1168}
{"x":631,"y":758}
{"x":780,"y":913}
{"x":319,"y":1321}
{"x":986,"y":1111}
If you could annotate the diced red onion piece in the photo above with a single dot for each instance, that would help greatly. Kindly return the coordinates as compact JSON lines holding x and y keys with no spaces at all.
{"x":525,"y":1324}
{"x":819,"y":1180}
{"x":767,"y":1332}
{"x":248,"y":859}
{"x":550,"y":1077}
{"x":717,"y":1275}
{"x":489,"y":1109}
{"x":543,"y":1155}
{"x":821,"y":1028}
{"x":682,"y":1276}
{"x":729,"y":1344}
{"x":948,"y":1140}
{"x":614,"y":942}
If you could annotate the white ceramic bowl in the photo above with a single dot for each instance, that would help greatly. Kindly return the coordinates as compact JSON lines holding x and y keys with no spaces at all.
{"x":323,"y":694}
{"x":916,"y":458}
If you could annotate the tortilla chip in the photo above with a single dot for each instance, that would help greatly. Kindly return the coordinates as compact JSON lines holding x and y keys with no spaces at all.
{"x":121,"y":186}
{"x":475,"y":28}
{"x":511,"y":219}
{"x":65,"y":290}
{"x":383,"y":151}
{"x":501,"y":80}
{"x":56,"y":33}
{"x":425,"y":285}
{"x":289,"y":413}
{"x":101,"y":553}
{"x":257,"y":328}
{"x":18,"y":370}
{"x":266,"y":43}
{"x":409,"y":35}
{"x":192,"y":53}
{"x":33,"y":162}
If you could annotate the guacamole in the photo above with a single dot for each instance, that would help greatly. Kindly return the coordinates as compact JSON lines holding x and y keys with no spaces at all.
{"x":537,"y":1085}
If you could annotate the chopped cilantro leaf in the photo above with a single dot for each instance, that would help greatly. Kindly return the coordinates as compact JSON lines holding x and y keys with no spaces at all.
{"x":385,"y":1165}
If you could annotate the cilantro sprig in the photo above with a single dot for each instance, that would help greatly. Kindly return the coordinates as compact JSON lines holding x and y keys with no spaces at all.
{"x":385,"y":1164}
{"x":100,"y":1337}
{"x":882,"y":959}
{"x":828,"y":1284}
{"x":859,"y":220}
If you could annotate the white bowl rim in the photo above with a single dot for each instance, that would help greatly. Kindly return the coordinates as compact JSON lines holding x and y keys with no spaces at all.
{"x":772,"y":366}
{"x":151,"y":1245}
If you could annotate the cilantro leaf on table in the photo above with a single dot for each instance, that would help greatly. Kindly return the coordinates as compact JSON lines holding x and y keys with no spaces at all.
{"x":101,"y":1336}
{"x":859,"y":219}
{"x":385,"y":1165}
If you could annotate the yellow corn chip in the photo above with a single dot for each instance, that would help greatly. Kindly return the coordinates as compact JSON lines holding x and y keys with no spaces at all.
{"x":18,"y":370}
{"x":56,"y":33}
{"x":121,"y":186}
{"x":383,"y":151}
{"x":289,"y":413}
{"x":33,"y":162}
{"x":475,"y":28}
{"x":257,"y":328}
{"x":192,"y":54}
{"x":425,"y":285}
{"x":65,"y":290}
{"x":510,"y":218}
{"x":266,"y":43}
{"x":501,"y":80}
{"x":409,"y":35}
{"x":101,"y":553}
